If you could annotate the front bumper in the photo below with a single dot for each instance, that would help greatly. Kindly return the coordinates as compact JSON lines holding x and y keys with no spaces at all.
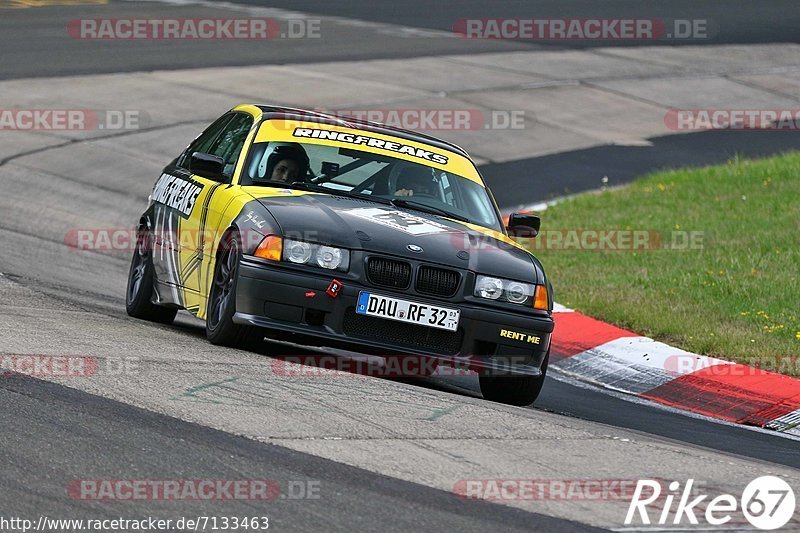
{"x":294,"y":304}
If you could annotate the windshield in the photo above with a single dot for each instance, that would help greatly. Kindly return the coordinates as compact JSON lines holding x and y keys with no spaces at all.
{"x":382,"y":178}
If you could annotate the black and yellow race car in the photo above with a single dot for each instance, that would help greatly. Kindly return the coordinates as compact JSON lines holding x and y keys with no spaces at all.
{"x":278,"y":221}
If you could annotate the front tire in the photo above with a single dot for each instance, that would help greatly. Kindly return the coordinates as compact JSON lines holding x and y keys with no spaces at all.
{"x":139,"y":293}
{"x":220,"y":328}
{"x":514,"y":390}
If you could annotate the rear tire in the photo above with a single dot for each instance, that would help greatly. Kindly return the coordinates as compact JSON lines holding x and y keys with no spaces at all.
{"x":514,"y":390}
{"x":139,"y":293}
{"x":220,"y":328}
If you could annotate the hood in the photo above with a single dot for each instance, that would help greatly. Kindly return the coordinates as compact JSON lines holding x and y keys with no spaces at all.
{"x":360,"y":224}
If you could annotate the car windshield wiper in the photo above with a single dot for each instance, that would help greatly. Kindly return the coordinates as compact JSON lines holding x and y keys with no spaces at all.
{"x":282,"y":184}
{"x":302,"y":185}
{"x":350,"y":194}
{"x":312,"y":187}
{"x":419,"y":206}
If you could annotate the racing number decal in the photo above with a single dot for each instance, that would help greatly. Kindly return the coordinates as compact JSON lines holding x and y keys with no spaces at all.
{"x":405,"y":222}
{"x":397,"y":218}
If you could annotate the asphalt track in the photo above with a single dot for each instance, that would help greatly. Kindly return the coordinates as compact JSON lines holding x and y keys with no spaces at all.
{"x":576,"y":171}
{"x":56,"y":301}
{"x":32,"y":45}
{"x":76,"y":433}
{"x":735,"y":21}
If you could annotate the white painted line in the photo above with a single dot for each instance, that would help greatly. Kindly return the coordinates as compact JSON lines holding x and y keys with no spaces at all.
{"x":788,"y":424}
{"x":635,"y":364}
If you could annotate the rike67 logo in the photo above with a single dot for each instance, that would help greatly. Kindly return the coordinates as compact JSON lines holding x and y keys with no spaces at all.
{"x":767,"y":503}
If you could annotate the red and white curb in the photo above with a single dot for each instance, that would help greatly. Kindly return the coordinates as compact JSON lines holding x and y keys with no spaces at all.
{"x":599,"y":353}
{"x":595,"y":352}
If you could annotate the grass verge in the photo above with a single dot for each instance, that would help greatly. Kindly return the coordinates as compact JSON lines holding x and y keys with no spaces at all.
{"x":717,"y":271}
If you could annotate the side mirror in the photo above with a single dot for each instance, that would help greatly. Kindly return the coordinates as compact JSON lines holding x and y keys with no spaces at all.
{"x":208,"y":166}
{"x":520,"y":225}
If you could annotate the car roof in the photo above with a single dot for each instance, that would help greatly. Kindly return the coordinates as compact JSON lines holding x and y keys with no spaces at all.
{"x":273,"y":112}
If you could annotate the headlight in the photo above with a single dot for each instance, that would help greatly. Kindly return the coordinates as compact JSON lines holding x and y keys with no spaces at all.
{"x":504,"y":290}
{"x":297,"y":252}
{"x":491,"y":288}
{"x":329,"y":257}
{"x":517,"y":292}
{"x":316,"y":254}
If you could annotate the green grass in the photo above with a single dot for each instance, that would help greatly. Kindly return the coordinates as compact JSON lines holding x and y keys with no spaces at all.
{"x":737,"y":297}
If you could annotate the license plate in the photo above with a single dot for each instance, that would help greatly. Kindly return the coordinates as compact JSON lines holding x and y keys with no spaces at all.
{"x":404,"y":311}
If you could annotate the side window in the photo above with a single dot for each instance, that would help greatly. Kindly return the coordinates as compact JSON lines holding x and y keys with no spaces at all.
{"x":204,"y":141}
{"x":228,"y":145}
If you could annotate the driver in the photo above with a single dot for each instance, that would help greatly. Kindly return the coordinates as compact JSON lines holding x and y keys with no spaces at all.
{"x":415,"y":180}
{"x":287,"y":162}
